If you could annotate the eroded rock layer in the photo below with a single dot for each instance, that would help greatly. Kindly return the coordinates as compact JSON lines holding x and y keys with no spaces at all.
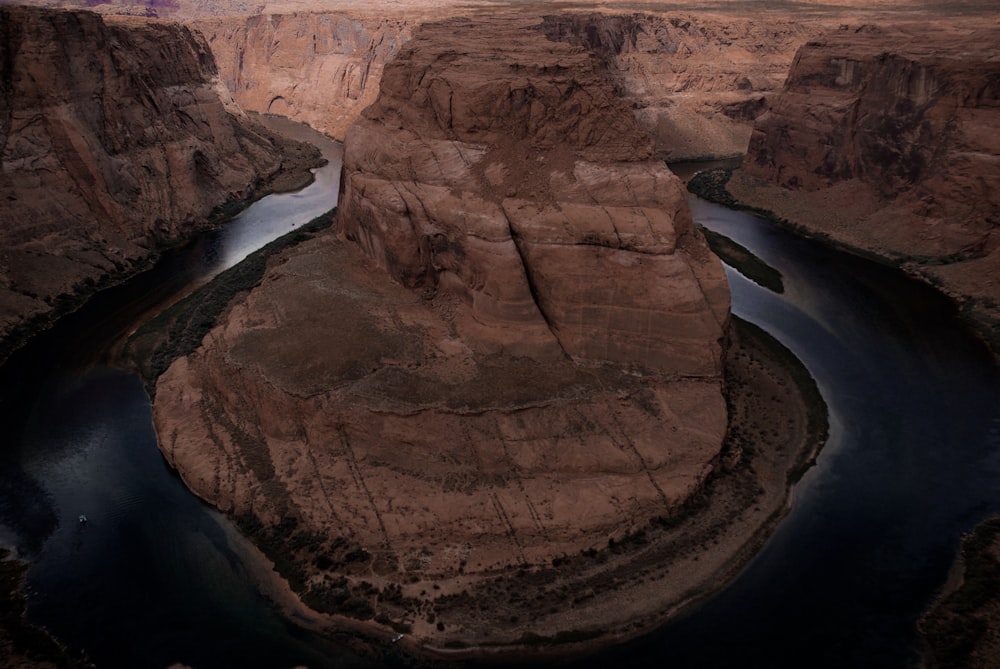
{"x":511,"y":354}
{"x":115,"y":136}
{"x":511,"y":181}
{"x":695,"y":82}
{"x":886,"y":140}
{"x":320,"y":69}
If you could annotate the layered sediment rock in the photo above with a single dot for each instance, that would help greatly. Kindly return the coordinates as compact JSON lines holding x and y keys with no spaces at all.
{"x":320,"y":69}
{"x":695,"y":83}
{"x":512,"y":181}
{"x":115,"y":136}
{"x":515,"y":357}
{"x":885,"y":140}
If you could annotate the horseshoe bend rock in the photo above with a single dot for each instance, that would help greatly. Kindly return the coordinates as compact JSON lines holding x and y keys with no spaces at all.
{"x":511,"y":353}
{"x":509,"y":174}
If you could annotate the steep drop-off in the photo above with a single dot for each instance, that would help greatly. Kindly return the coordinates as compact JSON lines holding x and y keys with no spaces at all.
{"x":516,"y":357}
{"x":885,"y":140}
{"x":695,"y":82}
{"x":115,"y":137}
{"x":320,"y":69}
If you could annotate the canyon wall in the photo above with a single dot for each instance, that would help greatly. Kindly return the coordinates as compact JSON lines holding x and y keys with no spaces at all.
{"x":115,"y":136}
{"x":510,"y":353}
{"x":695,"y":83}
{"x":886,"y":140}
{"x":511,"y":181}
{"x":317,"y":68}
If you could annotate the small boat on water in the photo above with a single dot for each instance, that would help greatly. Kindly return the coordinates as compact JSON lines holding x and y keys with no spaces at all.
{"x":82,"y":518}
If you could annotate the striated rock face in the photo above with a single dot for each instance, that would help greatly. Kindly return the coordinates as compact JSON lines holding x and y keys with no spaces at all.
{"x":886,"y":140}
{"x":320,"y":69}
{"x":114,"y":138}
{"x":695,"y":83}
{"x":510,"y":180}
{"x":514,"y":358}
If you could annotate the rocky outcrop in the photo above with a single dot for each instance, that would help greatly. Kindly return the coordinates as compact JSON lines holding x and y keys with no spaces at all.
{"x":884,"y":140}
{"x":695,"y":83}
{"x":515,"y":356}
{"x":115,"y":137}
{"x":511,"y":181}
{"x":320,"y":69}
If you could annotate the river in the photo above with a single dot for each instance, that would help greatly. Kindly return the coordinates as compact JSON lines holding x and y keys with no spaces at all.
{"x":156,"y":577}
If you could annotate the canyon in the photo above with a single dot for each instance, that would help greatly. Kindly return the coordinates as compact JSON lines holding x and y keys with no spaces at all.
{"x":483,"y":375}
{"x":116,"y":138}
{"x":694,"y":82}
{"x":448,"y":413}
{"x":881,"y":140}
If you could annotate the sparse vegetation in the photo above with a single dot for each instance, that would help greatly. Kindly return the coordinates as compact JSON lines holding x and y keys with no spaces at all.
{"x":959,"y":629}
{"x":178,"y":330}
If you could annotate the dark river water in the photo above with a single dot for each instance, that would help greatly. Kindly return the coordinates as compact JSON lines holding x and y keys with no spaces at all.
{"x":155,"y":577}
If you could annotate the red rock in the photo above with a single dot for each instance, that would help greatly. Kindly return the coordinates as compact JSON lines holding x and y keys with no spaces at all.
{"x":515,"y":357}
{"x":117,"y":136}
{"x":511,"y":177}
{"x":885,"y":140}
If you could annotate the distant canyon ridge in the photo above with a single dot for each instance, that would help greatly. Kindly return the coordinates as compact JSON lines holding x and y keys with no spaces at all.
{"x":513,"y":353}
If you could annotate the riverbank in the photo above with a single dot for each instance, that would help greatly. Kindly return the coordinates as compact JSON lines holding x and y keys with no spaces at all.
{"x":294,"y":173}
{"x":22,"y":644}
{"x":177,"y":331}
{"x":778,"y":423}
{"x":971,"y":281}
{"x":962,"y":628}
{"x":19,"y":640}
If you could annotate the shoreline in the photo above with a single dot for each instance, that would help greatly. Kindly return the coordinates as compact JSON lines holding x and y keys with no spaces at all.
{"x":716,"y":185}
{"x":708,"y":541}
{"x":297,"y":174}
{"x":959,"y":627}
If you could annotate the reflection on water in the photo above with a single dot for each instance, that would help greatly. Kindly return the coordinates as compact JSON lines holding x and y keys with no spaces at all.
{"x":156,"y":577}
{"x":913,"y":461}
{"x":278,"y":214}
{"x":153,"y":576}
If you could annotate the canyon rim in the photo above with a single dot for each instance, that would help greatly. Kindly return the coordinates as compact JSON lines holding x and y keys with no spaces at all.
{"x":506,"y":379}
{"x":445,"y":416}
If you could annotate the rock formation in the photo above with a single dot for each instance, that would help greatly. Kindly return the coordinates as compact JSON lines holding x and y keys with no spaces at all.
{"x":885,"y":140}
{"x":115,"y":137}
{"x":515,"y":358}
{"x":512,"y":181}
{"x":320,"y":69}
{"x":695,"y":82}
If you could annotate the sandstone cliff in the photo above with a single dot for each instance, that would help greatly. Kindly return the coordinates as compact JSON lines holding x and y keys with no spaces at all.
{"x":511,"y":181}
{"x":695,"y":82}
{"x":886,"y":140}
{"x":516,"y":358}
{"x":320,"y":69}
{"x":115,"y":137}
